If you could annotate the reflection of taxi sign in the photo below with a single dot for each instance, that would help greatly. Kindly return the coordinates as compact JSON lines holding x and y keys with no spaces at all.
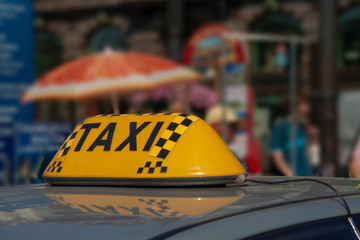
{"x":144,"y":150}
{"x":169,"y":205}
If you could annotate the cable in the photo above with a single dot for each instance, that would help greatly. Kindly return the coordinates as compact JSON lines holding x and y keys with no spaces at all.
{"x":346,"y":206}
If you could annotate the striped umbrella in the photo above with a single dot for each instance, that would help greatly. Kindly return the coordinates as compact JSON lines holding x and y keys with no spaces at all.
{"x":106,"y":73}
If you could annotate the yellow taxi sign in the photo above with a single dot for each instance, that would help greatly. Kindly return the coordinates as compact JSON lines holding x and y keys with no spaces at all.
{"x":143,"y":149}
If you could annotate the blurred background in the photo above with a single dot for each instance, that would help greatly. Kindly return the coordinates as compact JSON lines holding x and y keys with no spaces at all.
{"x":260,"y":58}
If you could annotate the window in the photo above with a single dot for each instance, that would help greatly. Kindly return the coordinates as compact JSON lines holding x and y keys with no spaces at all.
{"x":349,"y":42}
{"x":48,"y":52}
{"x":270,"y":56}
{"x":111,"y":37}
{"x":357,"y":221}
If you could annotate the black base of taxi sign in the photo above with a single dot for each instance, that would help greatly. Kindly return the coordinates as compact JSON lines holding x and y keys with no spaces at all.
{"x":168,"y":149}
{"x":154,"y":182}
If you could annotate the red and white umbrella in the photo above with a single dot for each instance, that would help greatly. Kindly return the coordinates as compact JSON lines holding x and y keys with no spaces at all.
{"x":106,"y":73}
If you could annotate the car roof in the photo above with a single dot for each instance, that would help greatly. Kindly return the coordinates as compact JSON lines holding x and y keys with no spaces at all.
{"x":38,"y":211}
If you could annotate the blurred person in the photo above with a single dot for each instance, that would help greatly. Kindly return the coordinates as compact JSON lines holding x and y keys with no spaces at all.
{"x":177,"y":107}
{"x":355,"y":161}
{"x":281,"y":141}
{"x":313,"y":150}
{"x":240,"y":140}
{"x":236,"y":137}
{"x":281,"y":59}
{"x":214,"y":117}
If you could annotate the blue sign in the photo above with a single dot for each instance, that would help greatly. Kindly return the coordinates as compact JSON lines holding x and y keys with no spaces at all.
{"x":36,"y":144}
{"x":16,"y":72}
{"x":37,"y":139}
{"x":16,"y":58}
{"x":6,"y":152}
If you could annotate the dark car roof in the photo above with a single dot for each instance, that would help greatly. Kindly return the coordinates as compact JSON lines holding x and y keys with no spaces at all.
{"x":41,"y":211}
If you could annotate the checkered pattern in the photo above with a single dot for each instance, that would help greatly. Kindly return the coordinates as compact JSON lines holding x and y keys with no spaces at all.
{"x":151,"y":169}
{"x":153,"y":201}
{"x":137,"y":114}
{"x":55,"y":167}
{"x":150,"y":114}
{"x":171,"y":135}
{"x":160,"y":208}
{"x":67,"y":144}
{"x":59,"y":198}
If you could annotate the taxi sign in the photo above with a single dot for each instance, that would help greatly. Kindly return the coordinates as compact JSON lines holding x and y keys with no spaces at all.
{"x":168,"y":149}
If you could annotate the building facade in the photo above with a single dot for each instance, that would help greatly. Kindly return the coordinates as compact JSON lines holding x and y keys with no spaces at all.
{"x":67,"y":29}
